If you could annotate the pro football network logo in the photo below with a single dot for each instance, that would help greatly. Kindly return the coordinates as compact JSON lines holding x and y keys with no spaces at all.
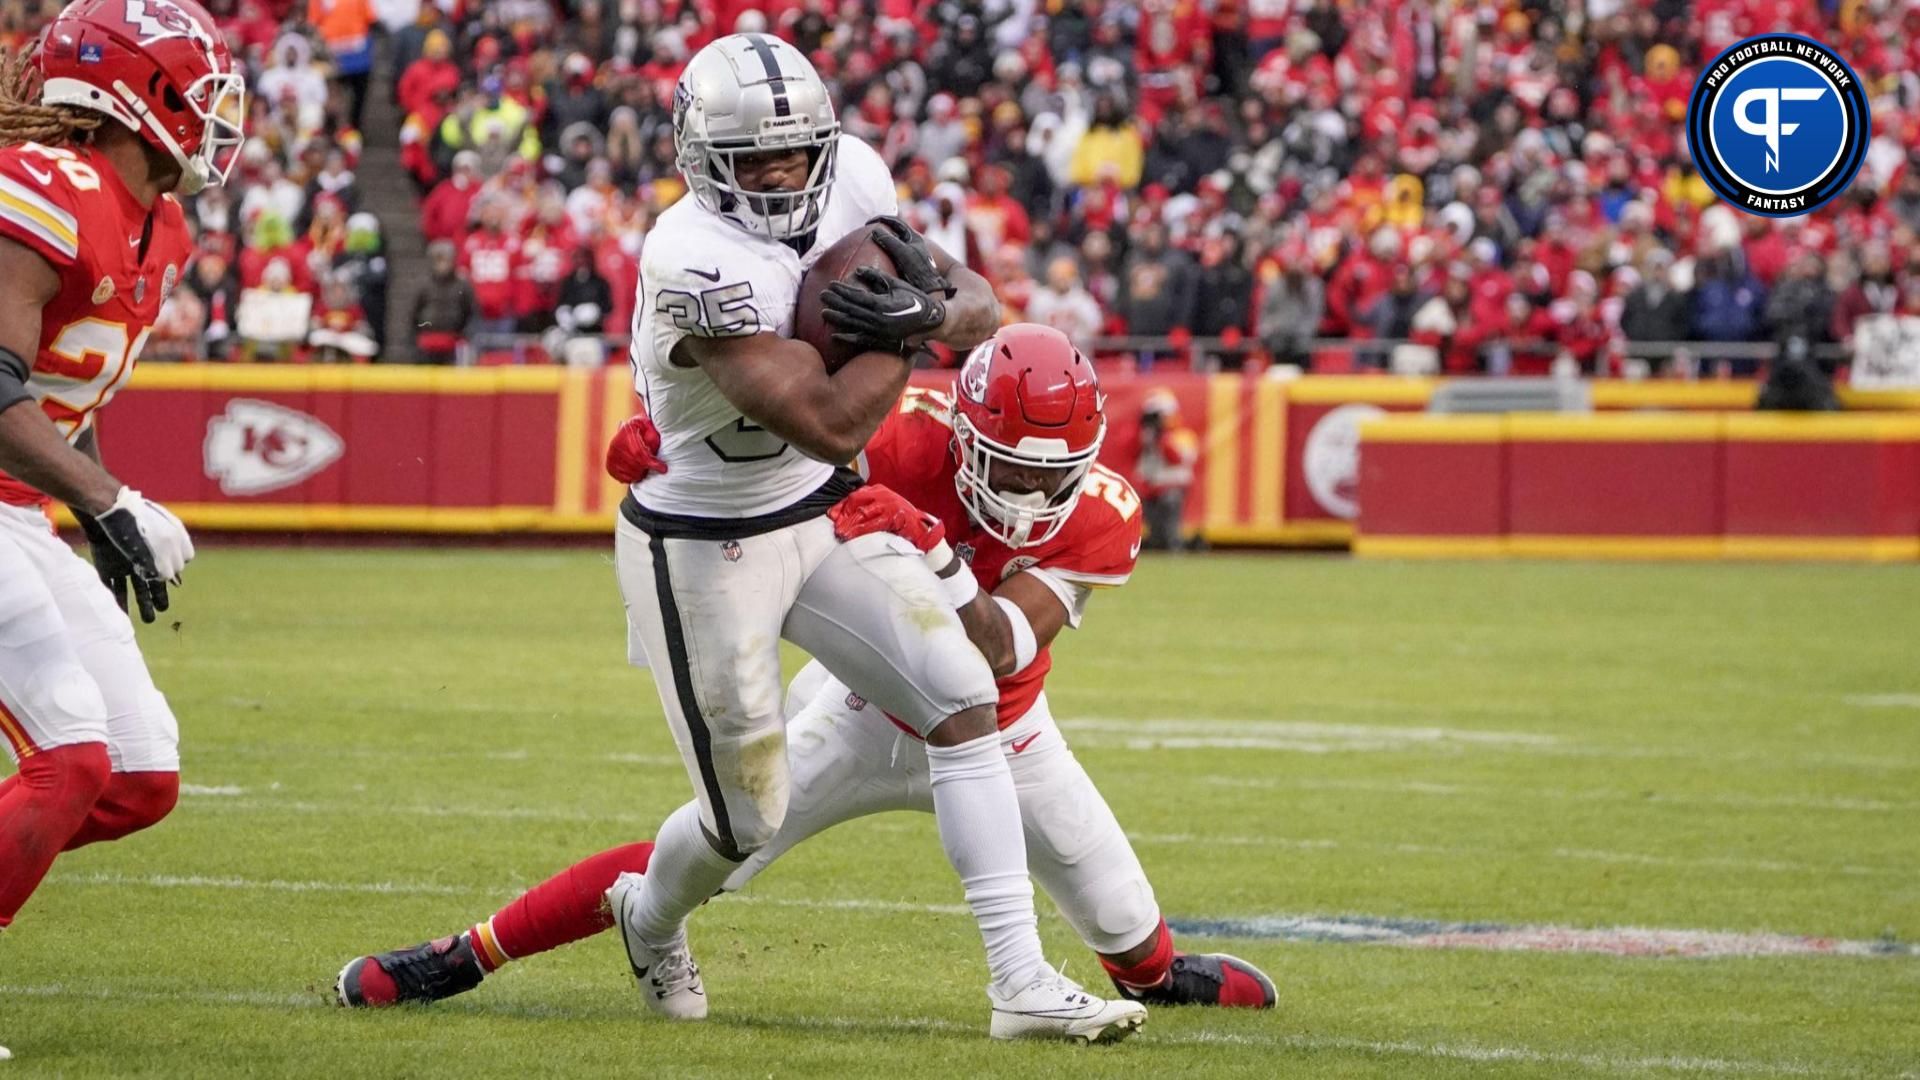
{"x":256,"y":447}
{"x":1778,"y":125}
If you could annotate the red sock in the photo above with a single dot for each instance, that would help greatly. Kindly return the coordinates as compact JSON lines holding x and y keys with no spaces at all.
{"x":39,"y":809}
{"x":1150,"y":972}
{"x":566,"y":907}
{"x":132,"y":801}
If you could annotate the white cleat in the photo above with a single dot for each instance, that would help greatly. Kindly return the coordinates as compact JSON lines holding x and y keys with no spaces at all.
{"x":669,"y":979}
{"x":1053,"y":1006}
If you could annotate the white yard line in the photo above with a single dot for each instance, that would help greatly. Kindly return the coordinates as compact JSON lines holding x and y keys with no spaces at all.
{"x":1416,"y":787}
{"x":1883,"y":701}
{"x":1399,"y":1048}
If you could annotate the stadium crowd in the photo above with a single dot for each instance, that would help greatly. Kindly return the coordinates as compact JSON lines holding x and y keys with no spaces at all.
{"x":1498,"y":186}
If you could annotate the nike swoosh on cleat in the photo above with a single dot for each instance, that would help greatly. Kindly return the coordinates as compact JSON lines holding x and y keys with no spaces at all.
{"x":712,"y":275}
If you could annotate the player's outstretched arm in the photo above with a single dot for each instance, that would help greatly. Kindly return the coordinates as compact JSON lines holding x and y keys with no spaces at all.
{"x":1012,"y":624}
{"x":782,"y":385}
{"x":31,"y":448}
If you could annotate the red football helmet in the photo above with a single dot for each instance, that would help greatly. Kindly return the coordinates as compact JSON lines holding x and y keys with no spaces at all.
{"x":158,"y":66}
{"x":1028,"y":418}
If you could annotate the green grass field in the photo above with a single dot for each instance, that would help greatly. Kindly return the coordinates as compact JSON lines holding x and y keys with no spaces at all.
{"x":388,"y":744}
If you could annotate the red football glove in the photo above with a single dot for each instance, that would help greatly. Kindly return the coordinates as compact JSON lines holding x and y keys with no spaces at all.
{"x":634,"y":453}
{"x":878,"y":508}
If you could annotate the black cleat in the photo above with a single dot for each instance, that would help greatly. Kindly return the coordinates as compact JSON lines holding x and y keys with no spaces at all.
{"x":1208,"y":979}
{"x":429,"y":972}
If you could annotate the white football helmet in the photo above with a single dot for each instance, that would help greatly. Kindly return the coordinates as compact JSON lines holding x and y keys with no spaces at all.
{"x":745,"y":94}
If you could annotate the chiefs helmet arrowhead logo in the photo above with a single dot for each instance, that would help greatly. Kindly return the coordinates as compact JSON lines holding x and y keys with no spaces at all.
{"x":256,"y":447}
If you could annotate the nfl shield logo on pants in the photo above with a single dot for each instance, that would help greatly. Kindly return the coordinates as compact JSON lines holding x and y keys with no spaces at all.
{"x":730,"y":551}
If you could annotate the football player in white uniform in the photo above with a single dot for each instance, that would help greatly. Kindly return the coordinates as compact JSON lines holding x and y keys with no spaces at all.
{"x":732,"y":550}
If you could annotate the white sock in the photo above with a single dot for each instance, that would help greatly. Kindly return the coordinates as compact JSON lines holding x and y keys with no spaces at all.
{"x":683,"y":873}
{"x":979,"y":816}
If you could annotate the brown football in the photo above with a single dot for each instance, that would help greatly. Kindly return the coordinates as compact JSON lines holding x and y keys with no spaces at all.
{"x":837,"y":263}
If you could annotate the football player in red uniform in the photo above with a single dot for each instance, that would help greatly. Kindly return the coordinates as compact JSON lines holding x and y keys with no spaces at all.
{"x":998,"y":484}
{"x":126,"y":103}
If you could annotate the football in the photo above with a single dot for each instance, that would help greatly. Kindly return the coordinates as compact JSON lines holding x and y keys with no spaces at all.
{"x":837,"y":263}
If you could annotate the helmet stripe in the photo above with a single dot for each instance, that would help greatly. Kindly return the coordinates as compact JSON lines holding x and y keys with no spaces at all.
{"x":774,"y":80}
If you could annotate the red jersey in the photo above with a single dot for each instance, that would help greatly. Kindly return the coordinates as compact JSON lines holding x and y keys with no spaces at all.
{"x":69,"y":207}
{"x":491,"y":260}
{"x":912,"y":453}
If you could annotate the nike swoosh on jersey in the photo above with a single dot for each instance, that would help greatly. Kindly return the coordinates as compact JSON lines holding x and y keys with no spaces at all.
{"x":713,"y":275}
{"x":45,"y":178}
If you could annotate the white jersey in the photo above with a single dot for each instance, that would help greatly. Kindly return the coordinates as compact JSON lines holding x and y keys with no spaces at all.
{"x":703,"y":275}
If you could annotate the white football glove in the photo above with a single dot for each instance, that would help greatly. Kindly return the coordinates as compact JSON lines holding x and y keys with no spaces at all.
{"x":166,"y":537}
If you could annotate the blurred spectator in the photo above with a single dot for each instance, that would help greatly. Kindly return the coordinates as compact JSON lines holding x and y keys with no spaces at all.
{"x":580,"y":315}
{"x":340,"y":332}
{"x":995,"y":216}
{"x":490,"y":260}
{"x":362,"y":267}
{"x":1521,"y":343}
{"x":272,"y":192}
{"x":346,"y":26}
{"x":449,"y":207}
{"x":1158,"y":286}
{"x":270,"y":240}
{"x":443,"y":308}
{"x":1439,"y":340}
{"x":1227,"y":287}
{"x":1873,"y":291}
{"x":432,"y":75}
{"x":1391,"y":314}
{"x":1727,"y":305}
{"x":1111,"y":147}
{"x":211,"y":279}
{"x":290,"y":79}
{"x":1164,"y":470}
{"x":547,"y":253}
{"x":1292,"y":302}
{"x":1064,"y":304}
{"x":1655,"y":310}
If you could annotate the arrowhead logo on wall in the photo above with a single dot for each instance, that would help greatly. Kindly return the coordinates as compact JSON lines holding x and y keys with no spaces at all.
{"x":256,"y":447}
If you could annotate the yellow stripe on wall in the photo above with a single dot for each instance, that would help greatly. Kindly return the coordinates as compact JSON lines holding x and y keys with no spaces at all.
{"x":1223,"y":451}
{"x":570,"y":457}
{"x":1269,"y":452}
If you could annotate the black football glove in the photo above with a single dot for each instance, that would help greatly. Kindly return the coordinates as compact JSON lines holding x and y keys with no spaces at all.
{"x":912,"y":259}
{"x":121,"y":557}
{"x":882,"y":313}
